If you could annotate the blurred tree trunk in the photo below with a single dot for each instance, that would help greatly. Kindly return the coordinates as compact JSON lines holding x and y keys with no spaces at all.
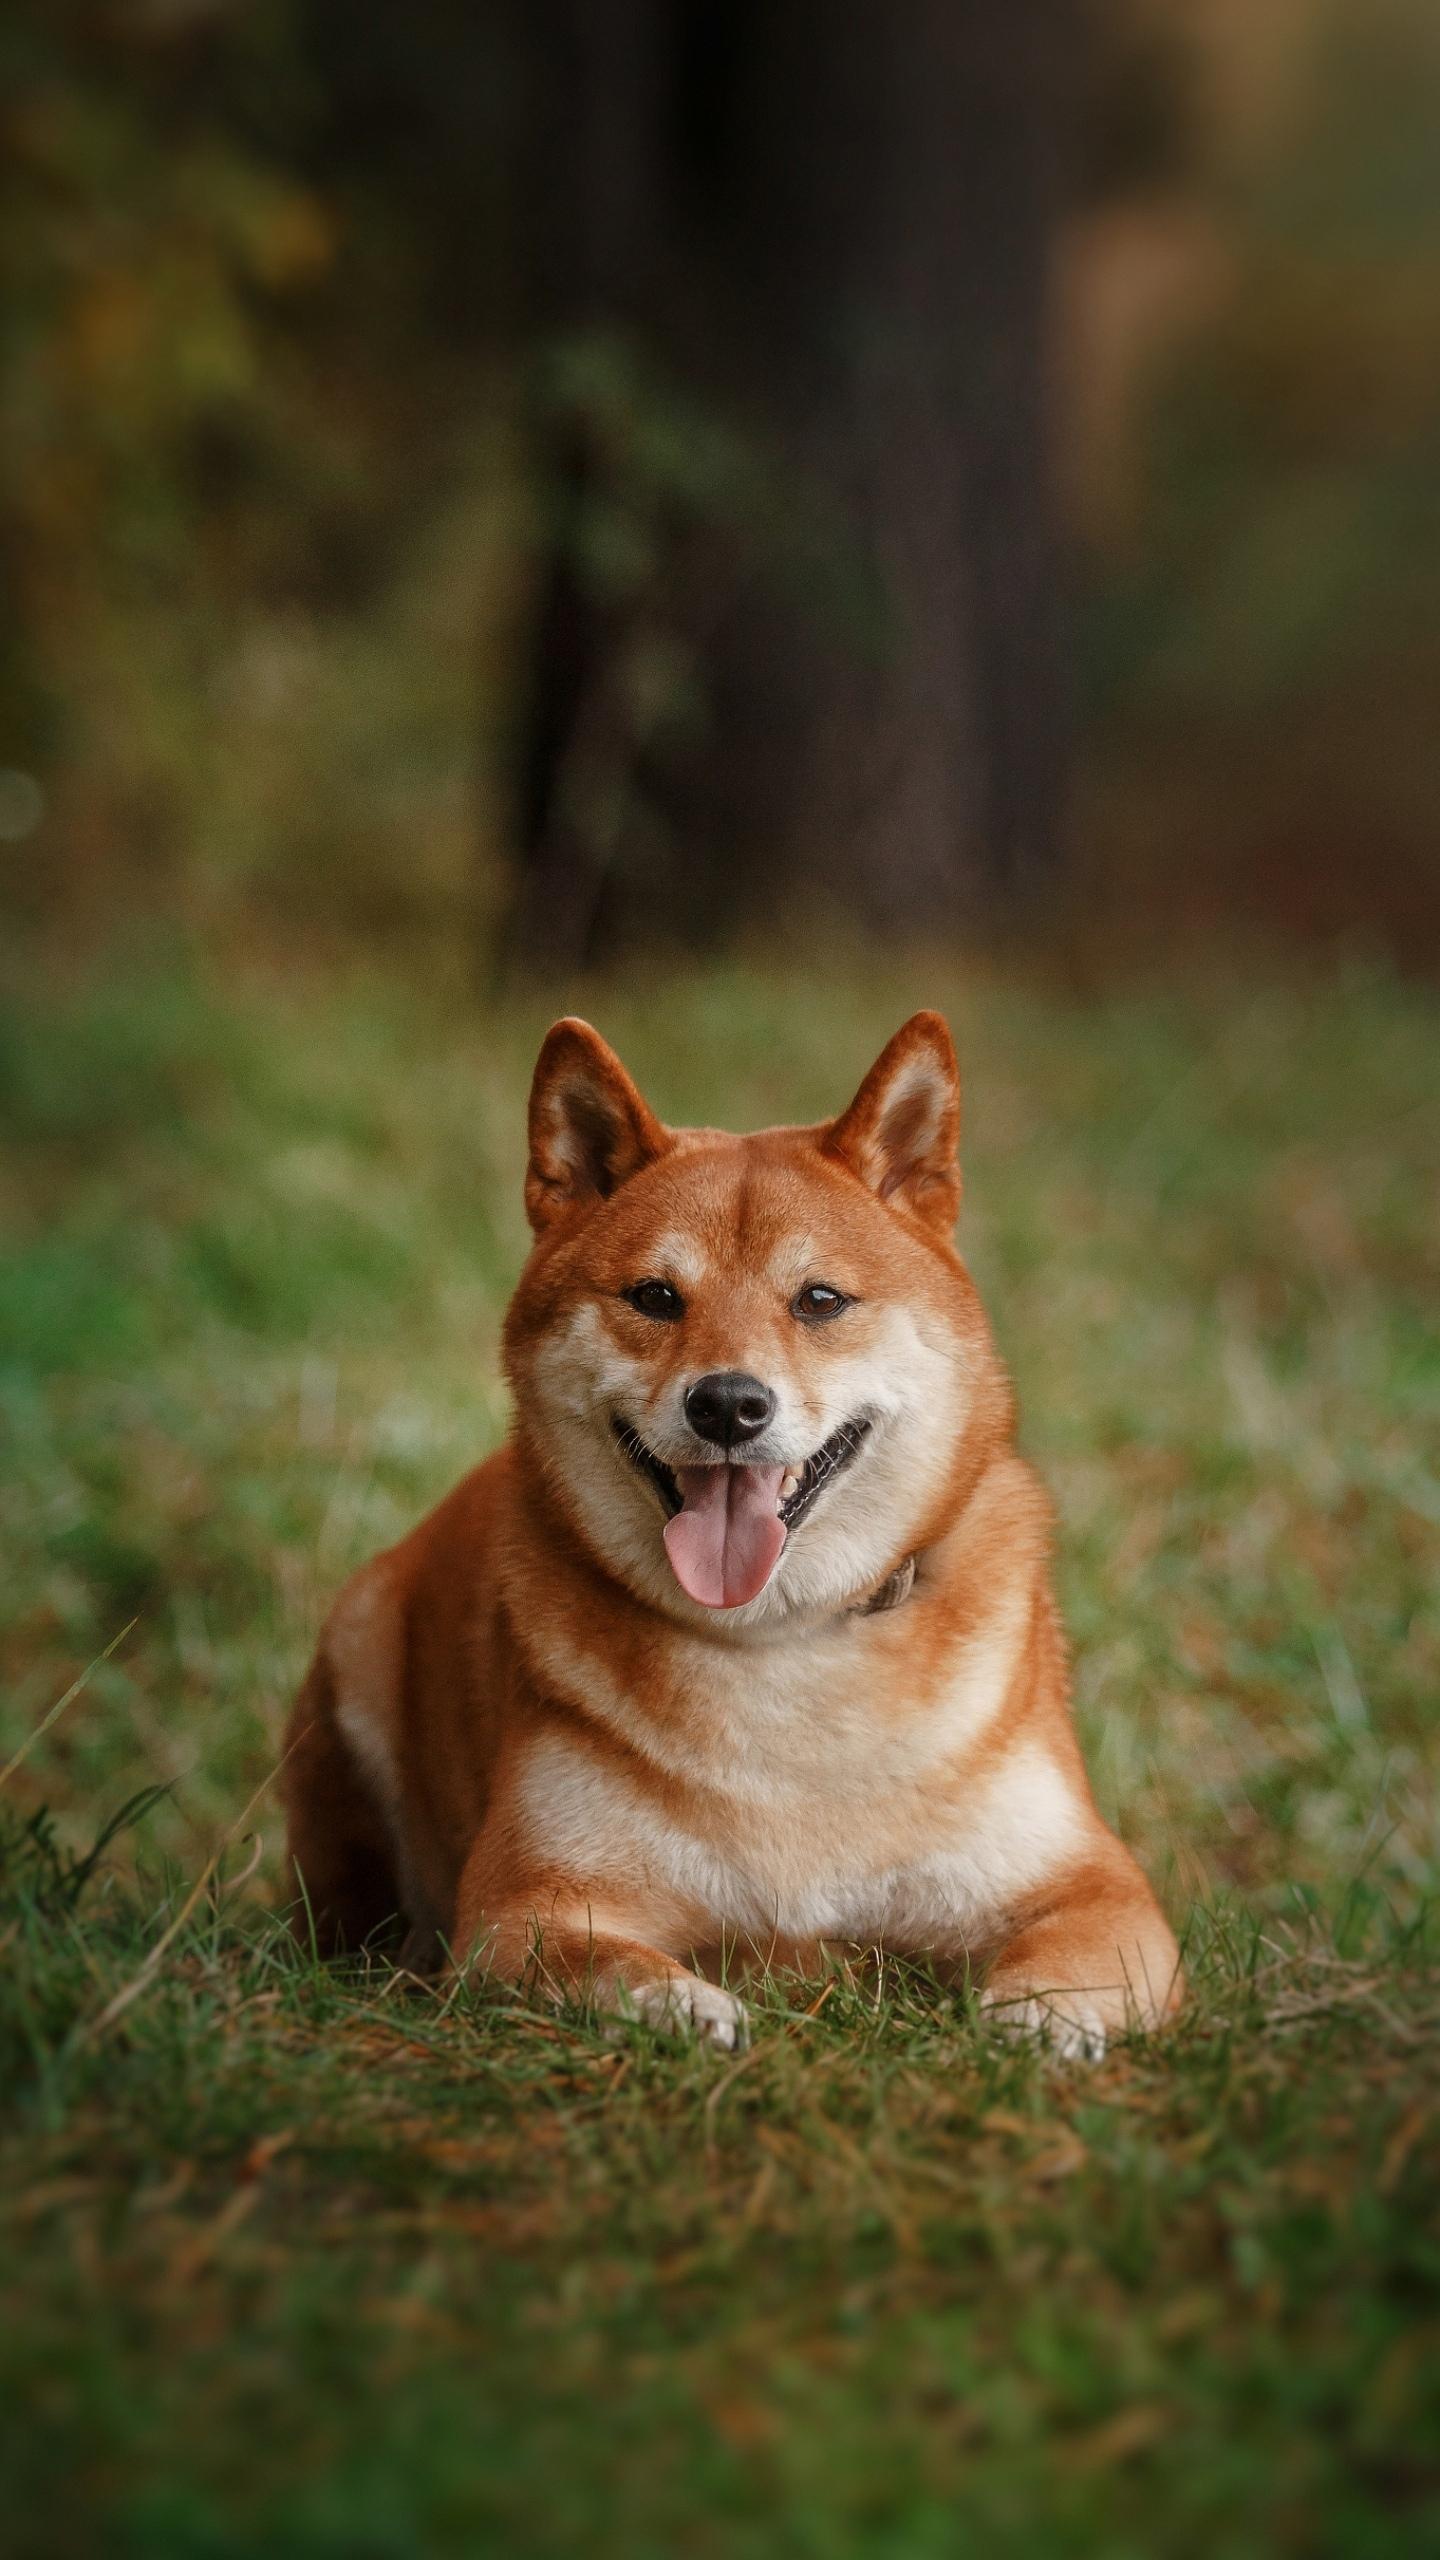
{"x":822,"y":224}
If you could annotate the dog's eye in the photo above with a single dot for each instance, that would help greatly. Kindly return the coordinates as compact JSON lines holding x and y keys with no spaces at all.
{"x":818,"y":1301}
{"x":656,"y":1298}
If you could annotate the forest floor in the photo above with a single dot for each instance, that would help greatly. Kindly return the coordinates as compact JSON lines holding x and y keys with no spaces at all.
{"x":318,"y":2263}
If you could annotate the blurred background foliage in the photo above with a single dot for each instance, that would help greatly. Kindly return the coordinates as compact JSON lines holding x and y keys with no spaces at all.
{"x":274,"y":496}
{"x":1255,"y":401}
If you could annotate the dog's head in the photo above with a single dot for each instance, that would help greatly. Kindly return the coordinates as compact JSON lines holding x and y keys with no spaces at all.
{"x":750,"y":1367}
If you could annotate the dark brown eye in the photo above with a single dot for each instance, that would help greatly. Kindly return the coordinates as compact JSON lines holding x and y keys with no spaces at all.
{"x":818,"y":1301}
{"x":656,"y":1299}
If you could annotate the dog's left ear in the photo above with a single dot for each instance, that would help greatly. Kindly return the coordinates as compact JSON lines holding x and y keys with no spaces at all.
{"x":902,"y":1131}
{"x":590,"y":1126}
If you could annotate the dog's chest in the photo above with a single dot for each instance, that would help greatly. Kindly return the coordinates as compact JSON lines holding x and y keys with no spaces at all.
{"x":802,"y":1791}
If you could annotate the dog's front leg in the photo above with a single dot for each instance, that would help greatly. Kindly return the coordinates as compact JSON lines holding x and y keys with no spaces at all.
{"x":560,"y":1943}
{"x":1094,"y":1960}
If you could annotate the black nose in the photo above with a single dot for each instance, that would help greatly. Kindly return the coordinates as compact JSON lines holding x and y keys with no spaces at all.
{"x":728,"y":1407}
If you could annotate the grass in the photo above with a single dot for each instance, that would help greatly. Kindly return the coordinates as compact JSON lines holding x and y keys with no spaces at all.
{"x":309,"y":2263}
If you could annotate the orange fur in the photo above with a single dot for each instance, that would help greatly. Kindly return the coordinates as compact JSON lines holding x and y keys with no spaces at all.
{"x":522,"y":1737}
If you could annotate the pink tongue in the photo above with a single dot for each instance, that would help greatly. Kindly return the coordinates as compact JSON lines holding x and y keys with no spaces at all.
{"x":723,"y":1547}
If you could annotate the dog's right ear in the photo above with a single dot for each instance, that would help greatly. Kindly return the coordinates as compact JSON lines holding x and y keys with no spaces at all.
{"x":590,"y":1127}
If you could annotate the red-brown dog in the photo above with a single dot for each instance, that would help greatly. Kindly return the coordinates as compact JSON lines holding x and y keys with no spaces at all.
{"x":744,"y":1643}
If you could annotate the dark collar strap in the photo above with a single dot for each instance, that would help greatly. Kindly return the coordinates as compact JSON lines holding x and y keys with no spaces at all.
{"x":896,"y":1588}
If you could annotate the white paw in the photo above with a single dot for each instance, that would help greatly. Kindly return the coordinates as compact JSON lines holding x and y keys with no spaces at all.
{"x":682,"y":2005}
{"x":1076,"y":2033}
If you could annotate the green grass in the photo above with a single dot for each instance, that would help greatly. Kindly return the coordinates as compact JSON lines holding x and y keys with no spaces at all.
{"x":312,"y":2264}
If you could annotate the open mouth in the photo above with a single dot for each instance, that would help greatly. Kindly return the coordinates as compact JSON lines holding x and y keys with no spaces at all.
{"x":727,"y":1523}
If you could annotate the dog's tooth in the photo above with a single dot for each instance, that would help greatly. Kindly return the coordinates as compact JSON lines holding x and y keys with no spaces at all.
{"x":789,"y":1484}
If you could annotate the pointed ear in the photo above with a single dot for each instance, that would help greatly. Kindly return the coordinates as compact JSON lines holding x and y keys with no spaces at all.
{"x":590,"y":1128}
{"x":902,"y":1130}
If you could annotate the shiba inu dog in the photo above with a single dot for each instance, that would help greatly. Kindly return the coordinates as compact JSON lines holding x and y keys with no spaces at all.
{"x":744,"y":1644}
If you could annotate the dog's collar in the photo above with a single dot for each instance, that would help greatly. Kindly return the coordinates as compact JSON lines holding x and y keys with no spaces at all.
{"x":895,"y":1589}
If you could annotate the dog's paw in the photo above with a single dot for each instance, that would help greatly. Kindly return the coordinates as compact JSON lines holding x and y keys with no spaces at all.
{"x":682,"y":2005}
{"x":1076,"y":2031}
